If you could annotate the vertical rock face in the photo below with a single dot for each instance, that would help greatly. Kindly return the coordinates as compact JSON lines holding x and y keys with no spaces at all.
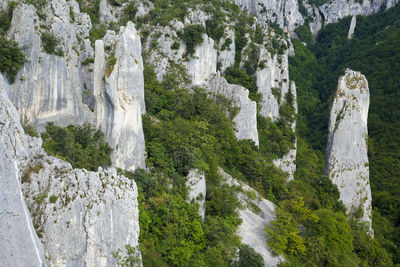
{"x":49,"y":87}
{"x":273,"y":82}
{"x":83,"y":218}
{"x":204,"y":62}
{"x":120,"y":99}
{"x":283,"y":12}
{"x":251,"y":230}
{"x":338,"y":9}
{"x":347,"y":159}
{"x":227,"y":52}
{"x":246,"y":120}
{"x":64,"y":90}
{"x":19,"y":243}
{"x":352,"y":27}
{"x":196,"y":182}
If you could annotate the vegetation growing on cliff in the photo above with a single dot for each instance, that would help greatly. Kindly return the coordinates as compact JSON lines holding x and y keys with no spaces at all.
{"x":82,"y":146}
{"x":373,"y":51}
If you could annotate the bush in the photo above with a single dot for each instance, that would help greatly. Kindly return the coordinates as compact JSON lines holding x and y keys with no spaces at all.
{"x":82,"y":146}
{"x":193,"y":36}
{"x":50,"y":44}
{"x":249,"y":257}
{"x":11,"y":58}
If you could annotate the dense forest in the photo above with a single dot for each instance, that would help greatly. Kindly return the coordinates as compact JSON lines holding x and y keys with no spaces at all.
{"x":374,"y":51}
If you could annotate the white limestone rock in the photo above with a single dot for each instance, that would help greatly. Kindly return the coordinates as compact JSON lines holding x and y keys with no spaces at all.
{"x":83,"y":218}
{"x":347,"y":159}
{"x":161,"y":56}
{"x":226,"y":56}
{"x":273,"y":78}
{"x":283,"y":12}
{"x":251,"y":231}
{"x":246,"y":120}
{"x":204,"y":62}
{"x":335,"y":10}
{"x":19,"y":243}
{"x":196,"y":182}
{"x":49,"y":87}
{"x":288,"y":162}
{"x":120,"y":99}
{"x":352,"y":27}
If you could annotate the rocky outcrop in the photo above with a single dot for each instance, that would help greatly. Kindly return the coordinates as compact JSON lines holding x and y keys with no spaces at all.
{"x":119,"y":97}
{"x":352,"y":27}
{"x":255,"y":215}
{"x":64,"y":89}
{"x":273,"y":82}
{"x":49,"y":87}
{"x":347,"y":158}
{"x":203,"y":63}
{"x":19,"y":243}
{"x":246,"y":119}
{"x":227,"y":49}
{"x":83,"y":218}
{"x":335,"y":10}
{"x":196,"y":183}
{"x":285,"y":13}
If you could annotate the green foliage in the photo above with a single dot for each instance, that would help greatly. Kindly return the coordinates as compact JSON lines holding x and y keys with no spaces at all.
{"x":92,"y":8}
{"x":249,"y":257}
{"x":193,"y":36}
{"x":215,"y":27}
{"x":187,"y":129}
{"x":235,"y":75}
{"x":34,"y":168}
{"x":53,"y":199}
{"x":374,"y":51}
{"x":30,"y":130}
{"x":129,"y":13}
{"x":6,"y":17}
{"x":50,"y":44}
{"x":304,"y":33}
{"x":97,"y":32}
{"x":11,"y":58}
{"x":82,"y":146}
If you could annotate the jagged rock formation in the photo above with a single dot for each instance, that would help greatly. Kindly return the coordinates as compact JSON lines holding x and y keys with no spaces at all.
{"x":285,"y":13}
{"x":20,"y":245}
{"x":64,"y":90}
{"x":119,"y":97}
{"x":246,"y":119}
{"x":203,"y":63}
{"x":352,"y":27}
{"x":335,"y":10}
{"x":251,"y":231}
{"x":196,"y":183}
{"x":347,"y":158}
{"x":82,"y":217}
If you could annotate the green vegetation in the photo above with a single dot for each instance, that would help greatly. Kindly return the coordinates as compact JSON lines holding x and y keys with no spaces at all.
{"x":11,"y":58}
{"x":186,"y":129}
{"x":82,"y":146}
{"x":373,"y":51}
{"x":30,"y":130}
{"x":249,"y":257}
{"x":51,"y":44}
{"x":192,"y":36}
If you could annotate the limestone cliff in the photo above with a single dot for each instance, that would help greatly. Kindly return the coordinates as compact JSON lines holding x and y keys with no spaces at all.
{"x":66,"y":87}
{"x":254,"y":220}
{"x":19,"y":243}
{"x":62,"y":216}
{"x":347,"y":158}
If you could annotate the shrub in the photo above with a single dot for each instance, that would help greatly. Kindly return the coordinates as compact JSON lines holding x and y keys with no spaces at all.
{"x":249,"y":257}
{"x":30,"y":130}
{"x":82,"y":146}
{"x":50,"y":44}
{"x":193,"y":36}
{"x":11,"y":58}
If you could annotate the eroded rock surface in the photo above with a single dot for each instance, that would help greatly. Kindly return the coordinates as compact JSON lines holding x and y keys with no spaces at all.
{"x":19,"y":243}
{"x":251,"y":231}
{"x":347,"y":159}
{"x":196,"y":182}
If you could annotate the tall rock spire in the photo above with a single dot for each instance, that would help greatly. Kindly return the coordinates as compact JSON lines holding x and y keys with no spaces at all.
{"x":347,"y":160}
